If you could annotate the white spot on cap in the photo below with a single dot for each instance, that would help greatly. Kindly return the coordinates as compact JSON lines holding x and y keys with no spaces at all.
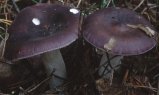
{"x":36,"y":21}
{"x":74,"y":11}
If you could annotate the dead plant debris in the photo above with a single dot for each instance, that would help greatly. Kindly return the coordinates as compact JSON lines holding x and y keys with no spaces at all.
{"x":138,"y":75}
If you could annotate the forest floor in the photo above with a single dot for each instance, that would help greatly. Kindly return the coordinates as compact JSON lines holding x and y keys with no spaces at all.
{"x":138,"y":75}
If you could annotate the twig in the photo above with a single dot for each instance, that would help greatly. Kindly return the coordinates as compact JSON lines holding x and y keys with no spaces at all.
{"x":138,"y":81}
{"x":6,"y":34}
{"x":145,"y":87}
{"x":5,"y":21}
{"x":2,"y":28}
{"x":15,"y":5}
{"x":109,"y":64}
{"x":108,"y":3}
{"x":105,"y":63}
{"x":138,"y":5}
{"x":125,"y":76}
{"x":4,"y":44}
{"x":38,"y":85}
{"x":59,"y":77}
{"x":45,"y":80}
{"x":2,"y":61}
{"x":52,"y":74}
{"x":156,"y":76}
{"x":22,"y":89}
{"x":79,"y":2}
{"x":143,"y":11}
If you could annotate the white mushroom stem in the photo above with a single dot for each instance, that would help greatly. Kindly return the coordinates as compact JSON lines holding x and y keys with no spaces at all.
{"x":114,"y":63}
{"x":53,"y":61}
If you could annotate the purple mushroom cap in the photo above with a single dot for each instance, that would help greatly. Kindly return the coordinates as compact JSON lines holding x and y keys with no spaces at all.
{"x":108,"y":30}
{"x":41,"y":28}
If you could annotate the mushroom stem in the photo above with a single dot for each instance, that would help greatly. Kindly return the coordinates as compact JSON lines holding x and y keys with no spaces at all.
{"x":106,"y":68}
{"x":53,"y":61}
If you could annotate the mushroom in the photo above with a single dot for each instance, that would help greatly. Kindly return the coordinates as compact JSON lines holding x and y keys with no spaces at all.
{"x":118,"y":31}
{"x":43,"y":29}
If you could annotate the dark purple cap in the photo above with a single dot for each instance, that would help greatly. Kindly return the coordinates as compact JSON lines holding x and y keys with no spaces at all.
{"x":117,"y":31}
{"x":41,"y":28}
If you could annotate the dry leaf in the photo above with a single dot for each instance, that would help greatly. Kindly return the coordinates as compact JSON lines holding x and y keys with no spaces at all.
{"x":146,"y":29}
{"x":111,"y":43}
